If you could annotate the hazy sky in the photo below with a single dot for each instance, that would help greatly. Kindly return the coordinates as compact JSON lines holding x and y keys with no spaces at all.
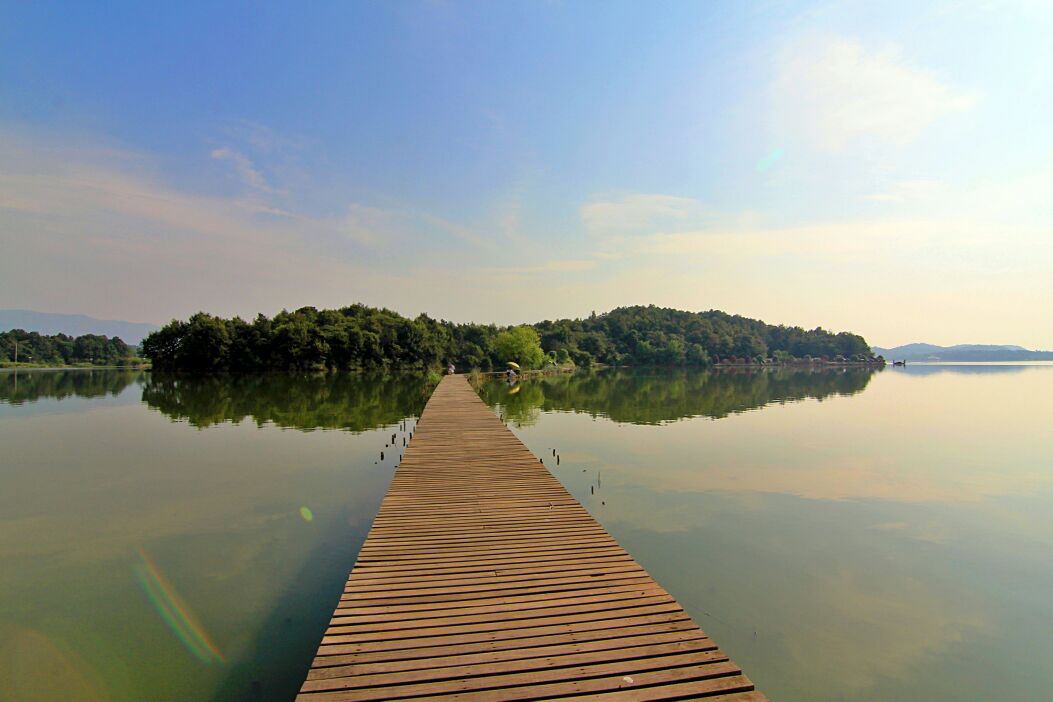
{"x":880,"y":167}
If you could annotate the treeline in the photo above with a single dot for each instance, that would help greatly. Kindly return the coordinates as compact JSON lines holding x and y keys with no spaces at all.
{"x":361,"y":337}
{"x":63,"y":350}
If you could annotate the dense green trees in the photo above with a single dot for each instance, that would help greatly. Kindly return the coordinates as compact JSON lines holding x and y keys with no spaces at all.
{"x":60,"y":349}
{"x":366,"y":337}
{"x":520,"y":344}
{"x":662,"y":336}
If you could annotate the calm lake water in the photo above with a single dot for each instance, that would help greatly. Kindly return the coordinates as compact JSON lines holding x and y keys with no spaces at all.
{"x":844,"y":535}
{"x":181,"y":538}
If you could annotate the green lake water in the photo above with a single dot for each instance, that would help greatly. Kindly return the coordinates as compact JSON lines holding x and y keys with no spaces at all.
{"x":844,"y":535}
{"x":180,"y":538}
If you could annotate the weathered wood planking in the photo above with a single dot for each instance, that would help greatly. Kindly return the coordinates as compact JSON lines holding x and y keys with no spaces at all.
{"x":483,"y":579}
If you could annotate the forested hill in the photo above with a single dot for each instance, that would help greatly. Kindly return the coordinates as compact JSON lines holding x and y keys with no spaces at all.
{"x":366,"y":337}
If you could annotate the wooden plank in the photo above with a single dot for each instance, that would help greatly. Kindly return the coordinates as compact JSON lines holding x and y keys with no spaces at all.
{"x":442,"y":638}
{"x":708,"y":679}
{"x":371,"y":653}
{"x":357,"y":632}
{"x":533,"y":671}
{"x":337,"y":666}
{"x":494,"y":604}
{"x":483,"y":579}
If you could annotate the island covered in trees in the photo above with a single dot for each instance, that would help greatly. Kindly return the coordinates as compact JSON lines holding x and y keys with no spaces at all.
{"x":362,"y":337}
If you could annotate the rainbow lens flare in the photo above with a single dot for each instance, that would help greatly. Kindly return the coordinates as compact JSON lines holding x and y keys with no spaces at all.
{"x":769,"y":160}
{"x":175,"y":613}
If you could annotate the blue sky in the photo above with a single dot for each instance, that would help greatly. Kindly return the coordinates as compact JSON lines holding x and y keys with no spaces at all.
{"x":879,"y":167}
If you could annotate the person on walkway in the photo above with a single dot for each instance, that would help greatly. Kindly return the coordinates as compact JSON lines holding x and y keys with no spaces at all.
{"x":449,"y":368}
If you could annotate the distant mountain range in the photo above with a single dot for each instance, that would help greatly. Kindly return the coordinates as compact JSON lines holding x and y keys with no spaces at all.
{"x":74,"y":325}
{"x":961,"y":352}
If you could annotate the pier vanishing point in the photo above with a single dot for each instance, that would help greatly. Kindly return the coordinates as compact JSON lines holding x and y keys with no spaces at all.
{"x":482,"y":579}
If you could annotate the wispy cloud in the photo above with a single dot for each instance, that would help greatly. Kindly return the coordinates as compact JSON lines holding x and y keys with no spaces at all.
{"x":106,"y":224}
{"x":835,"y":90}
{"x":102,"y":220}
{"x":369,"y":226}
{"x":261,"y":139}
{"x":639,"y":211}
{"x":458,"y":231}
{"x":247,"y":172}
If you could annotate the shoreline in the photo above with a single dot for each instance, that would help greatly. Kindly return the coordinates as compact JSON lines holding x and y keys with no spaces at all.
{"x":817,"y":365}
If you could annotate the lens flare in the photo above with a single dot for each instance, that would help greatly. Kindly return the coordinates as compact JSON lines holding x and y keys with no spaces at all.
{"x":307,"y":514}
{"x":175,"y":612}
{"x":769,"y":160}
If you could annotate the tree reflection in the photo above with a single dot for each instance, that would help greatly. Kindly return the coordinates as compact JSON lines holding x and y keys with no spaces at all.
{"x":655,"y":396}
{"x":357,"y":402}
{"x":18,"y":387}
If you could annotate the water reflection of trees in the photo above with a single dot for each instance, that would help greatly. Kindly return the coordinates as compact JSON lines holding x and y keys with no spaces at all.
{"x":655,"y":396}
{"x":357,"y":402}
{"x":18,"y":387}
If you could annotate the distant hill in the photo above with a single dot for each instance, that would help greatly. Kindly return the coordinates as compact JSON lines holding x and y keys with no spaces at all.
{"x":961,"y":352}
{"x":74,"y":325}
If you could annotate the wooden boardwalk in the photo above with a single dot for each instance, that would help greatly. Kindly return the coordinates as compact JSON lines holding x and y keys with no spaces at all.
{"x":483,"y":579}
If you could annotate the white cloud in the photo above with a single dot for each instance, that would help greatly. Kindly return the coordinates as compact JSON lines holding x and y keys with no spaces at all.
{"x":246,"y":170}
{"x":835,"y":91}
{"x":637,"y":211}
